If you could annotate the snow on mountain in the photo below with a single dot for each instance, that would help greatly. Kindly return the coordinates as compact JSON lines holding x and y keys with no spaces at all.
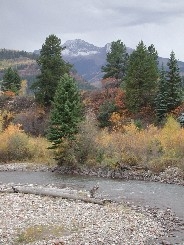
{"x":68,"y":52}
{"x":79,"y":47}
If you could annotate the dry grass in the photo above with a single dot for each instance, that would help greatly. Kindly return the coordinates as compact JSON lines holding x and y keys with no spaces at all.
{"x":39,"y":232}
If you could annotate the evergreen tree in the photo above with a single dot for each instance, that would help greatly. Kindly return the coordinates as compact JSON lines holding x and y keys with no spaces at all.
{"x":174,"y":83}
{"x":52,"y":67}
{"x":11,"y":81}
{"x":141,"y":79}
{"x":116,"y":61}
{"x":66,"y":112}
{"x":161,"y":100}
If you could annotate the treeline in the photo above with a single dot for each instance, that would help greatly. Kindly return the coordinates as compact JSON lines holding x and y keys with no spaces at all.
{"x":14,"y":54}
{"x":144,"y":84}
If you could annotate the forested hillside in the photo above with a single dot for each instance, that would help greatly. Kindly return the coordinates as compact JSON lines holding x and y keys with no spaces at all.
{"x":13,"y":54}
{"x":27,"y":67}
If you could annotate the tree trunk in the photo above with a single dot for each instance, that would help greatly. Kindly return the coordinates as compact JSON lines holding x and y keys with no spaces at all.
{"x":53,"y":192}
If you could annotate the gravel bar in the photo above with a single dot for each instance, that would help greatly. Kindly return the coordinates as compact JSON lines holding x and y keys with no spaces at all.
{"x":40,"y":220}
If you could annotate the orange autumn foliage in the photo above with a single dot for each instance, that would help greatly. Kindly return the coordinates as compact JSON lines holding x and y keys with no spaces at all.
{"x":177,"y":112}
{"x":94,"y":99}
{"x":9,"y":93}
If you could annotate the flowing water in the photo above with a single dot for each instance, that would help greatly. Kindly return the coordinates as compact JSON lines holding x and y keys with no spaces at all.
{"x":143,"y":193}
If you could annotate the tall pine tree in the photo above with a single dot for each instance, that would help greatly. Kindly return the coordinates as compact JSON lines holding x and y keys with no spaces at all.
{"x":66,"y":112}
{"x":174,"y":83}
{"x":116,"y":61}
{"x":52,"y":67}
{"x":141,"y":79}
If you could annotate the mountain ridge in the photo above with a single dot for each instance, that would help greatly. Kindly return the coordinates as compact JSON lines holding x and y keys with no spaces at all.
{"x":88,"y":58}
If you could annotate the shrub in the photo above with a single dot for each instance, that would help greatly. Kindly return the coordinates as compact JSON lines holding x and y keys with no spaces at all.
{"x":33,"y":121}
{"x":154,"y":148}
{"x":85,"y":149}
{"x":38,"y":150}
{"x":160,"y":164}
{"x":86,"y":145}
{"x":171,"y":137}
{"x":16,"y":145}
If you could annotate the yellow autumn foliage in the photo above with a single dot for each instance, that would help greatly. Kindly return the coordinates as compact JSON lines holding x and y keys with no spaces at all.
{"x":16,"y":145}
{"x":24,"y":88}
{"x":153,"y":147}
{"x":144,"y":147}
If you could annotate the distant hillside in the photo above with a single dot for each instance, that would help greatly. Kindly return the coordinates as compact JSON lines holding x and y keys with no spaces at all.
{"x":23,"y":61}
{"x":13,"y":54}
{"x":28,"y":68}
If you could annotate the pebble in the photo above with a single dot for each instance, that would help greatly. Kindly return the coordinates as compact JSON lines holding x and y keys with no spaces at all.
{"x":40,"y":220}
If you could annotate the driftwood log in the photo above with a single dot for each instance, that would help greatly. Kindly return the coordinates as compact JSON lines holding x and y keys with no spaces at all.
{"x":55,"y":192}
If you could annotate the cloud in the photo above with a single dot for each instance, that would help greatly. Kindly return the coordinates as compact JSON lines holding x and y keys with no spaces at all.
{"x":26,"y":23}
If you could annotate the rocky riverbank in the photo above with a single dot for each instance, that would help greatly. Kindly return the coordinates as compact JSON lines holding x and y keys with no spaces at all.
{"x":40,"y":220}
{"x":172,"y":175}
{"x":25,"y":167}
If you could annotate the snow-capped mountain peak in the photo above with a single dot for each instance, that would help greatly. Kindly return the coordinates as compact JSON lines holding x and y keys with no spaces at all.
{"x":79,"y":47}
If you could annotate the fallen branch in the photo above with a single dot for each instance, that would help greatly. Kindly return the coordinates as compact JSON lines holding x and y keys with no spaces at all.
{"x":53,"y":192}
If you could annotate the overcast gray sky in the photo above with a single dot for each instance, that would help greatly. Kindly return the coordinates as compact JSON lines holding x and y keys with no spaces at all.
{"x":24,"y":24}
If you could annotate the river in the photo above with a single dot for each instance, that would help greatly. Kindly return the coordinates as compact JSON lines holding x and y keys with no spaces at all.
{"x":153,"y":194}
